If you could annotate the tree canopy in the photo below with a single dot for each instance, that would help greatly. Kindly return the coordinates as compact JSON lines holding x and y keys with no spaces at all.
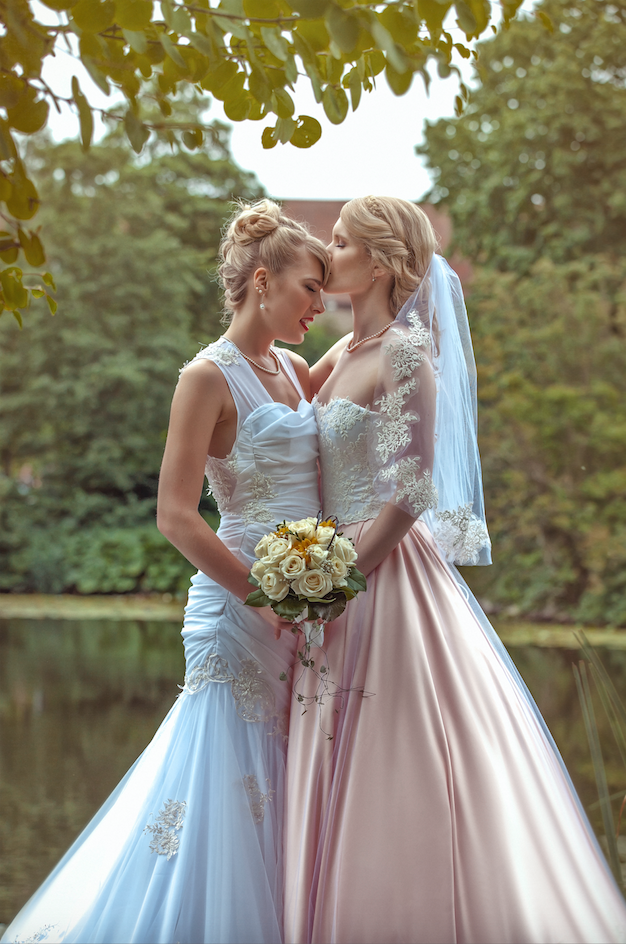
{"x":536,"y":164}
{"x":246,"y":53}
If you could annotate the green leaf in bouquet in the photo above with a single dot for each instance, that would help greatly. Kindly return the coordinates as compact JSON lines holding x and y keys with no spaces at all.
{"x":257,"y":598}
{"x":253,"y":581}
{"x":289,"y":607}
{"x":356,"y":580}
{"x":330,"y":611}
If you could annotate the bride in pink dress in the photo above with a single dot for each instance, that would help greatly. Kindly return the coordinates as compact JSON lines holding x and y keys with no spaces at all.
{"x":440,"y":811}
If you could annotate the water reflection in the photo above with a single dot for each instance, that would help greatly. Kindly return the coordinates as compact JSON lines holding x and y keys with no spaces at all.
{"x":79,"y":700}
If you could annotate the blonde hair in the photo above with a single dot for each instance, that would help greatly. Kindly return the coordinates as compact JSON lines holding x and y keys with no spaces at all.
{"x":261,"y":235}
{"x":399,"y":238}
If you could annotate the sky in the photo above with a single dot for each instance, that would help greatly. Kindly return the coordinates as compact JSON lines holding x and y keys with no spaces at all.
{"x":373,"y":151}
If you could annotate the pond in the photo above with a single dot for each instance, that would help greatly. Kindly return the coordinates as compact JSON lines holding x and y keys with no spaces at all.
{"x":80,"y":699}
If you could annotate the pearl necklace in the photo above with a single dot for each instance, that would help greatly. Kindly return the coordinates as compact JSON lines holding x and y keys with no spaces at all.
{"x":352,"y":347}
{"x":274,"y":373}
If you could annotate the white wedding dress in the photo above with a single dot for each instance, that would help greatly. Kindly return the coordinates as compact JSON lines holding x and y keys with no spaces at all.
{"x":188,"y":848}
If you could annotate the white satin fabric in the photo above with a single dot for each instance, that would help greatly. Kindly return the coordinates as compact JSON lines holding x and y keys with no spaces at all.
{"x":440,"y":811}
{"x":210,"y":786}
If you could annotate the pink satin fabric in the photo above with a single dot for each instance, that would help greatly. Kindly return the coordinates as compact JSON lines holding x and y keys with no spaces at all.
{"x":438,"y":812}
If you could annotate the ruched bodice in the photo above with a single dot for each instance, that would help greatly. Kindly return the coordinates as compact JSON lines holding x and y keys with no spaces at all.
{"x":346,"y":433}
{"x":271,"y":471}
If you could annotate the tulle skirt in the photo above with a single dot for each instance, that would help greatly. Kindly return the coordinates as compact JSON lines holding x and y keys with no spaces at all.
{"x":188,"y":848}
{"x":440,"y":811}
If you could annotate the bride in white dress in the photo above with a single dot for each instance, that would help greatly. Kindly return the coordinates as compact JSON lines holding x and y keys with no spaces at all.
{"x":188,"y":848}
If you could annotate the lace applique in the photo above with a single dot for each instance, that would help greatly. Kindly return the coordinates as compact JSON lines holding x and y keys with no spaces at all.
{"x":348,"y":478}
{"x":393,"y":432}
{"x":165,"y":840}
{"x":339,"y":415}
{"x":262,"y":490}
{"x":405,"y":353}
{"x":254,"y":696}
{"x":38,"y":936}
{"x":416,"y":486}
{"x":461,"y":535}
{"x":257,"y":798}
{"x":213,"y":669}
{"x":281,"y":726}
{"x":222,"y":477}
{"x":222,"y":351}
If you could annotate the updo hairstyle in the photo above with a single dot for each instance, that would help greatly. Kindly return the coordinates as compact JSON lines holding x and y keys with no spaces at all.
{"x":261,"y":235}
{"x":399,"y":238}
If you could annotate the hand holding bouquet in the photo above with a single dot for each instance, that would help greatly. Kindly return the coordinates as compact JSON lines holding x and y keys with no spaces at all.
{"x":305,"y":571}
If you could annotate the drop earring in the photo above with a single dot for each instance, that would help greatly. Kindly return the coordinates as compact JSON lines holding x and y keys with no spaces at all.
{"x":262,"y":304}
{"x":373,"y":278}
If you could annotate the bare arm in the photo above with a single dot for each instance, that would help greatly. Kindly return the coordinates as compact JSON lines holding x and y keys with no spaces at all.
{"x":201,"y":401}
{"x":382,"y":537}
{"x":321,"y":371}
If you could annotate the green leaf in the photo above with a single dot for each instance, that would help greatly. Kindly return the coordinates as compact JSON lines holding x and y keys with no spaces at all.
{"x":545,"y":19}
{"x":133,"y":14}
{"x":307,"y":132}
{"x":48,"y":279}
{"x":136,"y":39}
{"x":84,"y":114}
{"x":433,"y":14}
{"x":335,"y":102}
{"x":261,"y":9}
{"x":353,"y":82}
{"x":15,"y":295}
{"x":401,"y":24}
{"x":259,"y":86}
{"x":285,"y":128}
{"x":37,"y":292}
{"x":7,"y":144}
{"x":18,"y":318}
{"x":200,"y":42}
{"x":172,"y":51}
{"x":385,"y":41}
{"x":481,"y":11}
{"x":282,"y":103}
{"x":33,"y":250}
{"x":217,"y":79}
{"x":465,"y":18}
{"x":343,"y":27}
{"x":356,"y":580}
{"x":93,"y":15}
{"x":24,"y":200}
{"x":309,"y":9}
{"x":96,"y":74}
{"x":10,"y":254}
{"x":290,"y":607}
{"x":237,"y":107}
{"x":136,"y":131}
{"x":257,"y":598}
{"x":268,"y":139}
{"x":52,"y":304}
{"x":398,"y":82}
{"x":59,"y":5}
{"x":275,"y":42}
{"x":28,"y":116}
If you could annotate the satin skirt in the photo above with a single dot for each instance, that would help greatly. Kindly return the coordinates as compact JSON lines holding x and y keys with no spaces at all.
{"x":188,"y":848}
{"x":440,"y":811}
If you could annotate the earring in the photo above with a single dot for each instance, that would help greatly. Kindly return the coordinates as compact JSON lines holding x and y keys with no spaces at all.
{"x":260,"y":291}
{"x":373,"y":278}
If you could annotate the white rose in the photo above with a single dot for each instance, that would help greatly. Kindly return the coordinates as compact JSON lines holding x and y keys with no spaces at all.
{"x":293,"y":565}
{"x":312,"y":583}
{"x":261,"y":548}
{"x":344,"y":550}
{"x":277,"y":550}
{"x":274,"y":585}
{"x":259,"y":569}
{"x":317,"y":555}
{"x":338,"y":571}
{"x":305,"y":528}
{"x":324,"y":535}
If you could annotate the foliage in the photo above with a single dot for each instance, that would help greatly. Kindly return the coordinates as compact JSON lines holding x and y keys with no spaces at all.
{"x":85,"y":400}
{"x":246,"y":53}
{"x":535,"y":165}
{"x":552,"y":387}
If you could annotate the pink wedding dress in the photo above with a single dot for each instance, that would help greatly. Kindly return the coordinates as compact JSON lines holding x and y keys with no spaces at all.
{"x":441,"y":810}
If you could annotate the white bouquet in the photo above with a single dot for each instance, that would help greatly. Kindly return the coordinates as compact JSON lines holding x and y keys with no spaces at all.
{"x":306,"y":572}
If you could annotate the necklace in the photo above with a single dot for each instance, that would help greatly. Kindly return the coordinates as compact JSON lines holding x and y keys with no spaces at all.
{"x":352,"y":347}
{"x":267,"y":370}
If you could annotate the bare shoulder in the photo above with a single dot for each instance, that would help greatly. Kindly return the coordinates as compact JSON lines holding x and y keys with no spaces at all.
{"x":301,"y":368}
{"x":321,"y":371}
{"x":201,"y":377}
